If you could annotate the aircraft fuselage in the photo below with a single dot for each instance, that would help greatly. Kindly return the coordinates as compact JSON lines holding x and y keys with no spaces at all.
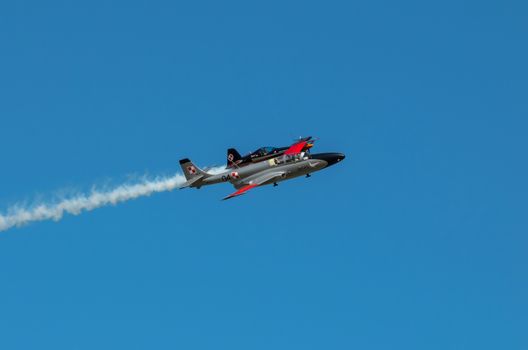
{"x":288,"y":167}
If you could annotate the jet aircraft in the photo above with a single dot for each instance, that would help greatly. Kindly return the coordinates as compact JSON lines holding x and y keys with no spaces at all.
{"x":292,"y":163}
{"x":235,"y":160}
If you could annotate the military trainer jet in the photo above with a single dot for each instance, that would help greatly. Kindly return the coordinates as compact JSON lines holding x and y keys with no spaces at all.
{"x":293,"y":163}
{"x":235,"y":160}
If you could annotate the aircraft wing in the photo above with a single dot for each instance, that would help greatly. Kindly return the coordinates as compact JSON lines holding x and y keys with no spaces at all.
{"x":241,"y":191}
{"x":257,"y":182}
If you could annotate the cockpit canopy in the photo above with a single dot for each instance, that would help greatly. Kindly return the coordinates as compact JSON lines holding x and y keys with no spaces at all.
{"x":263,"y":151}
{"x":268,"y":149}
{"x":290,"y":158}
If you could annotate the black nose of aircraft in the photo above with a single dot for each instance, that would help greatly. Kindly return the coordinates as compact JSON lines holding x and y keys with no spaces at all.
{"x":330,"y":158}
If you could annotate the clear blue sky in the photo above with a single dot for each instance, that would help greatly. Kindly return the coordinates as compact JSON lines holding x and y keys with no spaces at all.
{"x":417,"y":240}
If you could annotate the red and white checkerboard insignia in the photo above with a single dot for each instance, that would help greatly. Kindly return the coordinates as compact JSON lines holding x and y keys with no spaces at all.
{"x":191,"y":169}
{"x":234,"y":175}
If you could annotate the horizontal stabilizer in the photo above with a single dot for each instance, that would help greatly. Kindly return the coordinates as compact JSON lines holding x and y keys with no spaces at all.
{"x":192,"y":181}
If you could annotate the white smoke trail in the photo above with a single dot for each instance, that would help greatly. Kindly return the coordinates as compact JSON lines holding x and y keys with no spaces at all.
{"x":215,"y":170}
{"x":18,"y":216}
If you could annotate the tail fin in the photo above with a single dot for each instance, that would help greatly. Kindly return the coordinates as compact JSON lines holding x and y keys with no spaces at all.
{"x":233,"y":157}
{"x":191,"y":171}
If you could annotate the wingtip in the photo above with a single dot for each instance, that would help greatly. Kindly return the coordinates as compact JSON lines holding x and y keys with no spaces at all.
{"x":230,"y":196}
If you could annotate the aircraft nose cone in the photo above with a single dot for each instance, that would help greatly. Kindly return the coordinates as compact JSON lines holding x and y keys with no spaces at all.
{"x":330,"y":158}
{"x":337,"y":157}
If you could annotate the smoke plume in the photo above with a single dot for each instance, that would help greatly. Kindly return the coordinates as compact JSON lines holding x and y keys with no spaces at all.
{"x":18,"y":216}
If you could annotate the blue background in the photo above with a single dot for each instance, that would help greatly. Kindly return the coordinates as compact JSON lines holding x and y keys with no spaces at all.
{"x":417,"y":240}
